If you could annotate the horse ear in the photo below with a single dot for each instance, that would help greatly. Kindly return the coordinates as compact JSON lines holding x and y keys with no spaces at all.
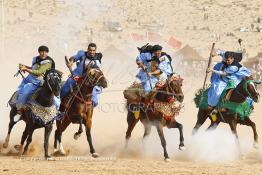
{"x":248,"y":77}
{"x":60,"y":73}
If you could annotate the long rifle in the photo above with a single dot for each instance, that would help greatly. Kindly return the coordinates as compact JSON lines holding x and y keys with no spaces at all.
{"x":19,"y":72}
{"x":209,"y":63}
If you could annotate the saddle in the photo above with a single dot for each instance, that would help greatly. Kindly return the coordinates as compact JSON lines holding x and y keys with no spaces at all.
{"x":242,"y":109}
{"x":135,"y":95}
{"x":41,"y":115}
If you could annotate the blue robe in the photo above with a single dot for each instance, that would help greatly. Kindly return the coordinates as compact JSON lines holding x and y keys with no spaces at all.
{"x":163,"y":65}
{"x":80,"y":60}
{"x":219,"y":83}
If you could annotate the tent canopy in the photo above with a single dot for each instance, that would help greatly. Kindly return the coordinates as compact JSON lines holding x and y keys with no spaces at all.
{"x":188,"y":54}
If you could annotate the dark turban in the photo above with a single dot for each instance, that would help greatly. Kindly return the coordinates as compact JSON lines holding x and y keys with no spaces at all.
{"x":43,"y":49}
{"x":156,"y":48}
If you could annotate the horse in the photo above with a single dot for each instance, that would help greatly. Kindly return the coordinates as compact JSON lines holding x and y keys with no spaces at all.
{"x":149,"y":116}
{"x":43,"y":98}
{"x":78,"y":108}
{"x":246,"y":88}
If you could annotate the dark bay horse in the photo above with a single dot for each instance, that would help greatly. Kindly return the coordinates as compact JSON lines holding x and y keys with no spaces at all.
{"x":78,"y":108}
{"x":246,"y":88}
{"x":149,"y":117}
{"x":43,"y":98}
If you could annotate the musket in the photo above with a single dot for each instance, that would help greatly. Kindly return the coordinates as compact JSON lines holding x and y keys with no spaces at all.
{"x":239,"y":42}
{"x":19,"y":72}
{"x":70,"y":68}
{"x":209,"y":63}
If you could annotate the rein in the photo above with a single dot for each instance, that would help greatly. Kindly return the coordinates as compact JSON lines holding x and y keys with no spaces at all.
{"x":87,"y":80}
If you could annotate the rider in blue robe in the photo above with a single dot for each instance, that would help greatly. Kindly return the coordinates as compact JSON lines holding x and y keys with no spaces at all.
{"x":222,"y":73}
{"x":82,"y":59}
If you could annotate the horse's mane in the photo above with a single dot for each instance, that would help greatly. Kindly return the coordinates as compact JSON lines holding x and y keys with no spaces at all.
{"x":59,"y":73}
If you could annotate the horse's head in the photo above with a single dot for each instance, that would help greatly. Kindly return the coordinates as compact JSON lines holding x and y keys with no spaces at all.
{"x":249,"y":88}
{"x":175,"y":83}
{"x":95,"y":77}
{"x":52,"y":80}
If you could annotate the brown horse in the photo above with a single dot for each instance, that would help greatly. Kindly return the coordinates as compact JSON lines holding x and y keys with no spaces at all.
{"x":246,"y":88}
{"x":151,"y":117}
{"x":43,"y":98}
{"x":78,"y":108}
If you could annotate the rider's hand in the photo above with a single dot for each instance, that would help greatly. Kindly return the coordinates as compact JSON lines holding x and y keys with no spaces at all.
{"x":70,"y":64}
{"x":23,"y":68}
{"x":20,"y":65}
{"x":213,"y":53}
{"x":209,"y":70}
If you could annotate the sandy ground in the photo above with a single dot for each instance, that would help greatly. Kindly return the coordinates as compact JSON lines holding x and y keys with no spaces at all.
{"x":64,"y":26}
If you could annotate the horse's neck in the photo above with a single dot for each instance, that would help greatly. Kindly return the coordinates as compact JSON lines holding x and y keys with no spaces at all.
{"x":237,"y":96}
{"x":45,"y":97}
{"x":162,"y":95}
{"x":87,"y":91}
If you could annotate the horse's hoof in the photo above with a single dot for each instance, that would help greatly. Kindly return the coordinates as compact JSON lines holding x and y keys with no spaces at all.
{"x":167,"y":160}
{"x":62,"y":152}
{"x":95,"y":155}
{"x":182,"y":148}
{"x":255,"y":145}
{"x":76,"y":136}
{"x":18,"y":147}
{"x":49,"y":158}
{"x":5,"y":145}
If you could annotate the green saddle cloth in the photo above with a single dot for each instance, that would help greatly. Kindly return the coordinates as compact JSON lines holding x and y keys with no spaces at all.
{"x":242,"y":109}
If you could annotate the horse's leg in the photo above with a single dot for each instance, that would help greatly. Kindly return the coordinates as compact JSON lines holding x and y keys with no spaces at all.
{"x":233,"y":126}
{"x":147,"y":127}
{"x":61,"y":126}
{"x":57,"y":134}
{"x":131,"y":121}
{"x":10,"y":126}
{"x":48,"y":130}
{"x":24,"y":136}
{"x":88,"y":125}
{"x":201,"y":118}
{"x":213,"y":125}
{"x":159,"y":127}
{"x":175,"y":124}
{"x":29,"y":138}
{"x":80,"y":129}
{"x":248,"y":122}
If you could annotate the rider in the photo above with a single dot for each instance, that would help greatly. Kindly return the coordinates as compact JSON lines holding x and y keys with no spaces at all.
{"x":227,"y":70}
{"x":155,"y":67}
{"x":29,"y":85}
{"x":143,"y":62}
{"x":83,"y":58}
